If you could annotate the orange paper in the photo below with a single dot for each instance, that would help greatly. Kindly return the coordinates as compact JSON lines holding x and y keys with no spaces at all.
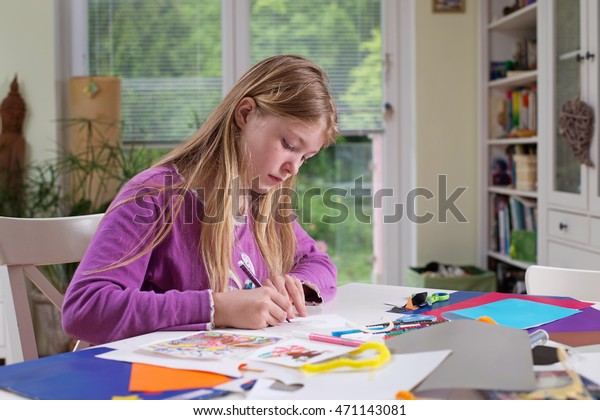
{"x":149,"y":378}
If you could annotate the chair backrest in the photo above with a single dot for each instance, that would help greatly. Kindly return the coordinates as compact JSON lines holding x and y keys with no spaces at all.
{"x":25,"y":244}
{"x":554,"y":281}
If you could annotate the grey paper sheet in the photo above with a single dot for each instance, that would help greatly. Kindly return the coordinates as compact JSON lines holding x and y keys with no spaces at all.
{"x":484,"y":356}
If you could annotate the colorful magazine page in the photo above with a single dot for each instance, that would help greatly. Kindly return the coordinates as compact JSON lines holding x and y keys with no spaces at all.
{"x":298,"y":352}
{"x":211,"y":345}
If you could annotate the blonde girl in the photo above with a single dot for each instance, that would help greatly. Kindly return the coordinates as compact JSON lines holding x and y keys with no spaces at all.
{"x":176,"y":246}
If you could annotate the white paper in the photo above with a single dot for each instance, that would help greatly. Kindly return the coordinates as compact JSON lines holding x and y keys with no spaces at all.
{"x":586,"y":364}
{"x":228,"y":367}
{"x":402,"y":373}
{"x":323,"y":324}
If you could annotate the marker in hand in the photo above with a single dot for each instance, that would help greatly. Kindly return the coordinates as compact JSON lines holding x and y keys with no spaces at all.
{"x":250,"y":274}
{"x":252,"y":277}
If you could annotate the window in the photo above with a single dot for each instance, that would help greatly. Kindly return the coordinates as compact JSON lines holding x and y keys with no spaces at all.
{"x":168,"y":54}
{"x":343,"y":37}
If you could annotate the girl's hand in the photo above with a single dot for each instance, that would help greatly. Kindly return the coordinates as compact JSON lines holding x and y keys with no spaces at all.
{"x":251,"y":309}
{"x":291,"y":288}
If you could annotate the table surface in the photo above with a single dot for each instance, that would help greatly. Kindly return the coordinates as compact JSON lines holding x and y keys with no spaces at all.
{"x":358,"y":303}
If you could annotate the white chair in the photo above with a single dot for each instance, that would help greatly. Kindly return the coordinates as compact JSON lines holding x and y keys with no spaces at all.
{"x":553,"y":281}
{"x":26,"y":243}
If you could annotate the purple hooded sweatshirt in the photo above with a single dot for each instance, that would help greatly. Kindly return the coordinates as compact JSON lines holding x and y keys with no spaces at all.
{"x":167,"y":287}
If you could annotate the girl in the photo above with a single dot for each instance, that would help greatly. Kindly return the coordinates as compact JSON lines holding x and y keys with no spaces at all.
{"x":173,"y":249}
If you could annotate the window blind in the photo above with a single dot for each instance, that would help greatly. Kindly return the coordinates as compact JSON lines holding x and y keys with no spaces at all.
{"x":168,"y":56}
{"x":342,"y":36}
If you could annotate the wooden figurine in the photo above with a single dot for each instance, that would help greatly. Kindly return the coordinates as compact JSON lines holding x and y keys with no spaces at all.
{"x":12,"y":142}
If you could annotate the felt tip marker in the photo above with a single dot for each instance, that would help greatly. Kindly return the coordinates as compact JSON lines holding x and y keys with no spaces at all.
{"x":250,"y":274}
{"x":323,"y":338}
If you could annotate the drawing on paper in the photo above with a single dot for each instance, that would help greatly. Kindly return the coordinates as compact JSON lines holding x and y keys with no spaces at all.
{"x":296,"y":353}
{"x":211,"y":345}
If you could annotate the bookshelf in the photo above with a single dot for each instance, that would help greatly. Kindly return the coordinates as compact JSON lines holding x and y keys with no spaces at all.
{"x":566,"y":194}
{"x":508,"y":139}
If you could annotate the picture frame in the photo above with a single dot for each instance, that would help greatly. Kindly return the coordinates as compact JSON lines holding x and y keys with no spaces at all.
{"x":448,"y":6}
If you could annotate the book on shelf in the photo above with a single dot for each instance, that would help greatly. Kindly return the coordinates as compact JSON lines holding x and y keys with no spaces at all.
{"x":513,"y":223}
{"x":513,"y":115}
{"x":523,"y":119}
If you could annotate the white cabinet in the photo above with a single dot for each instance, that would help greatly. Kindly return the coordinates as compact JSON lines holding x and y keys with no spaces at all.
{"x":571,"y":26}
{"x":573,"y":188}
{"x":509,"y":144}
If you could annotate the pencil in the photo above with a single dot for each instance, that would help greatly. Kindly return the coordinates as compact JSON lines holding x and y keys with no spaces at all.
{"x":252,"y":277}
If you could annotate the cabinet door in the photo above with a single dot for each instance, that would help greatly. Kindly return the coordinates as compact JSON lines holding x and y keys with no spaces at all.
{"x":568,"y":183}
{"x":593,"y":91}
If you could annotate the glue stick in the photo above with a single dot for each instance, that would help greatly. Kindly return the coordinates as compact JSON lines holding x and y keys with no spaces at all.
{"x":538,"y":338}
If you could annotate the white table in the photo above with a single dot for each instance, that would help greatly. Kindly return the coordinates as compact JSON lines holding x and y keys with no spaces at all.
{"x":358,"y":303}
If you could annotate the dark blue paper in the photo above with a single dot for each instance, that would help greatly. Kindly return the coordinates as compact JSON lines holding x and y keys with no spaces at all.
{"x":77,"y":376}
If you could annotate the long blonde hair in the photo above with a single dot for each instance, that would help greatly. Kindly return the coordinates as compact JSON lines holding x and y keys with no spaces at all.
{"x":214,"y":158}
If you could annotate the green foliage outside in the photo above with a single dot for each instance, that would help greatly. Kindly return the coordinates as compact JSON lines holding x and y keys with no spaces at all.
{"x":335,"y":215}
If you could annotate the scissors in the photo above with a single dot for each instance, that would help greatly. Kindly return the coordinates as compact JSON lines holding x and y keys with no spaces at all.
{"x":437,"y":297}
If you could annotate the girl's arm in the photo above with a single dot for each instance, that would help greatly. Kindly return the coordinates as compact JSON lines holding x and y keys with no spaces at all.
{"x":153,"y":292}
{"x":314,"y":269}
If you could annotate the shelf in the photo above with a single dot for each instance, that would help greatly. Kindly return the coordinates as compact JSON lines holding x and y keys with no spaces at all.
{"x":511,"y":191}
{"x":505,"y":258}
{"x":522,"y":19}
{"x":507,"y":141}
{"x":521,"y":79}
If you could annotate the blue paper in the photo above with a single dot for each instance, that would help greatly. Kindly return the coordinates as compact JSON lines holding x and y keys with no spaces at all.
{"x":78,"y":375}
{"x":517,"y":313}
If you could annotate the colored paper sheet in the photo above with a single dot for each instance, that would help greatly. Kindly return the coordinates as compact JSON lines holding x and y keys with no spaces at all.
{"x":576,"y":338}
{"x":518,"y":313}
{"x":587,"y":320}
{"x":481,"y":353}
{"x":149,"y":378}
{"x":78,"y":375}
{"x":496,"y":296}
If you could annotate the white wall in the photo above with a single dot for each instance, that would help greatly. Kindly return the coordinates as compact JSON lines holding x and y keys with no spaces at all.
{"x":27,"y":49}
{"x":446,"y":95}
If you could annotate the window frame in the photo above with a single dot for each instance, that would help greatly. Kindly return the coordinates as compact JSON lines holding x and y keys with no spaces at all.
{"x":395,"y":243}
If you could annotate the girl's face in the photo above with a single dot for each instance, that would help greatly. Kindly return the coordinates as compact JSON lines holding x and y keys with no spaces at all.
{"x":277,"y":146}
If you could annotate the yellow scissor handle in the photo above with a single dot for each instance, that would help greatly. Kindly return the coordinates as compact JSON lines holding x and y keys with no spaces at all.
{"x":383,"y":356}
